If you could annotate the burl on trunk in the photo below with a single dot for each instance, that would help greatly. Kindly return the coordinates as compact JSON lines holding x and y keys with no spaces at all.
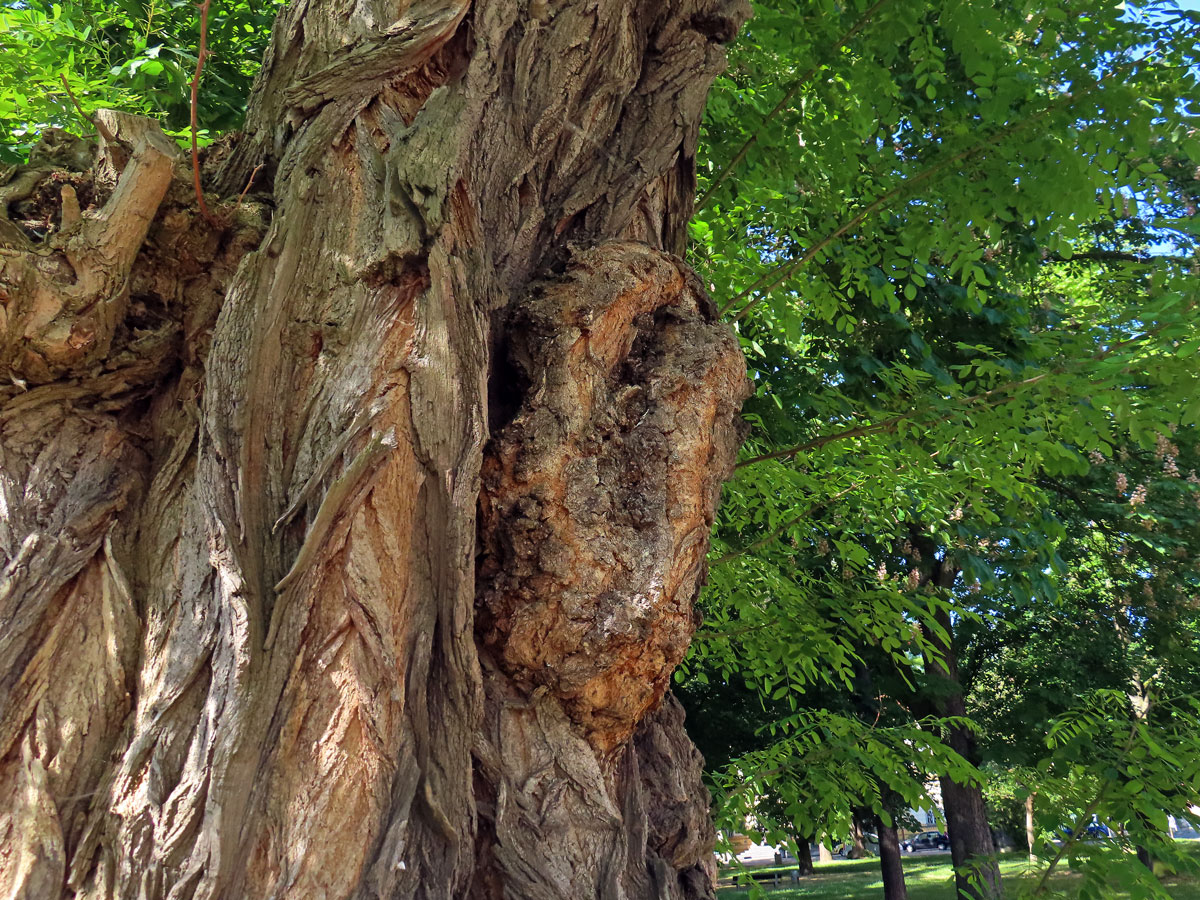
{"x":348,"y":545}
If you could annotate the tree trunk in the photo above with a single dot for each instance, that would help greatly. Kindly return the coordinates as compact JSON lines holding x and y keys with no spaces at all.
{"x":1140,"y":702}
{"x":804,"y":864}
{"x":1030,"y":832}
{"x":891,"y":862}
{"x":977,"y":869}
{"x":858,"y":845}
{"x":824,"y":854}
{"x":349,"y":539}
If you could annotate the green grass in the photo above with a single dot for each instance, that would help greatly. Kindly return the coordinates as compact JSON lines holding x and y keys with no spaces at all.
{"x":928,"y":878}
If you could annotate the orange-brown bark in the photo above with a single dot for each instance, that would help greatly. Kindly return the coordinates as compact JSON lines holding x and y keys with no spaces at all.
{"x":599,"y":495}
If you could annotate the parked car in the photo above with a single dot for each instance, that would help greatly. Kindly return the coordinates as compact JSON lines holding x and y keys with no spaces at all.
{"x":1095,"y":830}
{"x":927,"y":840}
{"x":759,"y":855}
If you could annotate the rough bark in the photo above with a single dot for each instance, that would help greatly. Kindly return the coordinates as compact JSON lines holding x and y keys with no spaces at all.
{"x":891,"y":862}
{"x":348,"y":545}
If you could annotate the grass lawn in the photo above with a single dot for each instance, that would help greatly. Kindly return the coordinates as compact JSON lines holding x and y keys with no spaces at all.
{"x":928,"y":878}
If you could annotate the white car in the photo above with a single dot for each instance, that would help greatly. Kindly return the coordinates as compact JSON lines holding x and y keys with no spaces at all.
{"x":761,"y":855}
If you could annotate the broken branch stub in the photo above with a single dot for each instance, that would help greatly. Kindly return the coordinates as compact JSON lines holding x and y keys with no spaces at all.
{"x":61,"y":302}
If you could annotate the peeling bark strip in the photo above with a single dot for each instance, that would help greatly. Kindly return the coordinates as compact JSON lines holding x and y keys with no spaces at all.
{"x":244,"y":648}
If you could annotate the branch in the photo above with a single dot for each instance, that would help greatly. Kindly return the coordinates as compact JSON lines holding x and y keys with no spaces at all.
{"x":772,"y":535}
{"x":94,"y":122}
{"x":986,"y":399}
{"x":1081,"y":823}
{"x":1118,"y":256}
{"x":770,"y":280}
{"x":61,"y":326}
{"x":779,"y":274}
{"x":782,"y":104}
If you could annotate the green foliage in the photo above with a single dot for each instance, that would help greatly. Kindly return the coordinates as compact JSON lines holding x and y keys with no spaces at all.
{"x":824,"y":766}
{"x":942,"y":233}
{"x":1110,"y":764}
{"x":134,"y":55}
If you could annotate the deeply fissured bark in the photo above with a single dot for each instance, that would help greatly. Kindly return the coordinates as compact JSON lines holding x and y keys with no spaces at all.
{"x":248,"y":649}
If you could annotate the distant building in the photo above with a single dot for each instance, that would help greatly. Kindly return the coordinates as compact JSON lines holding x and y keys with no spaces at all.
{"x":929,"y":819}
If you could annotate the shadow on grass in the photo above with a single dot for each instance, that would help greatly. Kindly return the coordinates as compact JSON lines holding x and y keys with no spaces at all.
{"x":928,"y":878}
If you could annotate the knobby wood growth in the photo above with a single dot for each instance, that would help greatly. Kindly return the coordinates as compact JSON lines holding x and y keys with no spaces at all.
{"x":348,"y":543}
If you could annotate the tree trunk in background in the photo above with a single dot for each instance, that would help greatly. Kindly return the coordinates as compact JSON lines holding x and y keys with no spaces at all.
{"x":972,"y":849}
{"x":858,"y":845}
{"x":1030,"y":833}
{"x":891,"y":862}
{"x":1140,"y":702}
{"x":349,"y":541}
{"x":823,"y":854}
{"x":804,"y":864}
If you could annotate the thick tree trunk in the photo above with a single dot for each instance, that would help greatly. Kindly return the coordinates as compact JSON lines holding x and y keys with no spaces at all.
{"x":891,"y":862}
{"x":824,"y":854}
{"x":356,"y":565}
{"x":977,"y":868}
{"x":804,"y":864}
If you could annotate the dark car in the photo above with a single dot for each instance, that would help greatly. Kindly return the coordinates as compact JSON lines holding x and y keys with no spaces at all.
{"x":928,"y":840}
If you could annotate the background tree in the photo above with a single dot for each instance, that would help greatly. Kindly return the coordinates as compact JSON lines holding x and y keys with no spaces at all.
{"x":891,"y":201}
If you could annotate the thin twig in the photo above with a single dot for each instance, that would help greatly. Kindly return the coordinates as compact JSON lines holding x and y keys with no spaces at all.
{"x":778,"y":274}
{"x":208,"y":216}
{"x":985,"y":399}
{"x":246,"y":189}
{"x":94,"y":122}
{"x":782,"y":104}
{"x":1118,"y":256}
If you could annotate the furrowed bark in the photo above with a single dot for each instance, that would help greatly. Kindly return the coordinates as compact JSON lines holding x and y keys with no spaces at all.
{"x":348,"y":554}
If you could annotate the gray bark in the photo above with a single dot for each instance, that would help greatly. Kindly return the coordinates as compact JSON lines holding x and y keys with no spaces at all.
{"x":348,"y":545}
